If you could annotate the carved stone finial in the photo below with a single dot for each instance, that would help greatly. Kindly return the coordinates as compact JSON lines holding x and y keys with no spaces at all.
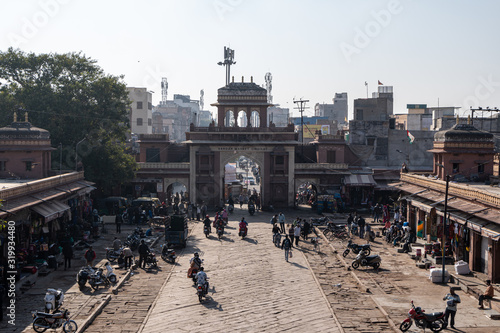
{"x":15,"y":117}
{"x":458,"y":119}
{"x":251,"y":79}
{"x":468,"y":119}
{"x":26,"y":117}
{"x":232,"y":79}
{"x":242,"y":79}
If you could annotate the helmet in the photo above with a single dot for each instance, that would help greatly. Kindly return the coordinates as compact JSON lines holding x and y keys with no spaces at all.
{"x":196,"y":254}
{"x":207,"y":215}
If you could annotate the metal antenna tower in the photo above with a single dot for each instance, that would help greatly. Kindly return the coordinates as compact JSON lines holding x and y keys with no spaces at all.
{"x":228,"y":61}
{"x":269,"y":87}
{"x":301,"y":106}
{"x":164,"y":89}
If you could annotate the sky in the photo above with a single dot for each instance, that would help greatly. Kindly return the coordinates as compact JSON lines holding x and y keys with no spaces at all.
{"x":431,"y":52}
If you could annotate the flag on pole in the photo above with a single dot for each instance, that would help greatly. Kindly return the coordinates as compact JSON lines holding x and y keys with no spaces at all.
{"x":380,"y":83}
{"x":411,"y":138}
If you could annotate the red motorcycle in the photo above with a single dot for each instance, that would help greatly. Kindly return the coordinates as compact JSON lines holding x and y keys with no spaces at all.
{"x":434,"y":321}
{"x":243,"y":230}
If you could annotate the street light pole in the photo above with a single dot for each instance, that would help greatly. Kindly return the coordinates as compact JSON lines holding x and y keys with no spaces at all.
{"x":444,"y":226}
{"x":76,"y":152}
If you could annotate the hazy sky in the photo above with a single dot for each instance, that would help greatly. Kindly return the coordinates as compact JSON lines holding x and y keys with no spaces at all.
{"x":427,"y":50}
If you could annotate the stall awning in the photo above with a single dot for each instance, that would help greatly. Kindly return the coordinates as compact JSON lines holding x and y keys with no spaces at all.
{"x":422,"y":204}
{"x":360,"y":180}
{"x":51,"y":210}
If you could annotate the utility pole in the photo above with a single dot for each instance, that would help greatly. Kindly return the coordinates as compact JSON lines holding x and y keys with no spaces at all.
{"x":228,"y":61}
{"x":445,"y":227}
{"x":301,"y":106}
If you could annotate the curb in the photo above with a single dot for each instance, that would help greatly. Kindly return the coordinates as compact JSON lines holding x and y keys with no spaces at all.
{"x":94,"y":314}
{"x":361,"y":284}
{"x":121,"y":282}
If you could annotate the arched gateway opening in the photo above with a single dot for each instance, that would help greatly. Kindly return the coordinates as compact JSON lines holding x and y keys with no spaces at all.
{"x":242,"y":181}
{"x":237,"y":139}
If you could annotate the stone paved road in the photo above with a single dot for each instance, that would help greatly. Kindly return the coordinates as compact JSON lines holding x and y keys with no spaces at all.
{"x":252,"y":288}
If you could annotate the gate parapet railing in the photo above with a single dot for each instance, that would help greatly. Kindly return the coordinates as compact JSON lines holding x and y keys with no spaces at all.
{"x":316,"y":166}
{"x":158,"y":165}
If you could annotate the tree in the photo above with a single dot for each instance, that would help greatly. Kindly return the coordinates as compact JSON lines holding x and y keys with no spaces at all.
{"x":70,"y":96}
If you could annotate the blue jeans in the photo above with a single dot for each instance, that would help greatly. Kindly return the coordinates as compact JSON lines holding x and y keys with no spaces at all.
{"x":447,"y":314}
{"x":286,"y":254}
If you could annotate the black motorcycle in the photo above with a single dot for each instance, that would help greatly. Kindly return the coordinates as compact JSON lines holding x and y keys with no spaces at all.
{"x":364,"y":260}
{"x":202,"y":290}
{"x":168,"y":254}
{"x":43,"y":321}
{"x":132,"y":242}
{"x":366,"y":248}
{"x":251,"y":209}
{"x":206,"y":230}
{"x":151,"y":261}
{"x":83,"y":275}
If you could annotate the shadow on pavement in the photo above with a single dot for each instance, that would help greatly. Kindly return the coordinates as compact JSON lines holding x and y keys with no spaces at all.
{"x":298,"y":265}
{"x":251,"y":240}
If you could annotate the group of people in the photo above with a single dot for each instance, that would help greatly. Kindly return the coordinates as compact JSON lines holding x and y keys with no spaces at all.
{"x":357,"y":225}
{"x":299,"y":227}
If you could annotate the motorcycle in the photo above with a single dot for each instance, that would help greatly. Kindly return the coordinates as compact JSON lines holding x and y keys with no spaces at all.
{"x":151,"y":261}
{"x":113,"y":255}
{"x":132,"y":242}
{"x":101,"y":278}
{"x":83,"y":275}
{"x":434,"y":321}
{"x":251,"y":209}
{"x":202,"y":290}
{"x":366,"y":248}
{"x":230,"y":209}
{"x":220,"y":232}
{"x":168,"y":254}
{"x":43,"y":321}
{"x":206,"y":230}
{"x":243,"y":232}
{"x":194,"y":271}
{"x":54,"y":299}
{"x":364,"y":260}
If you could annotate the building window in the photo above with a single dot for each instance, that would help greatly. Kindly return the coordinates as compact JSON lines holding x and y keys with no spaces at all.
{"x":280,"y":160}
{"x":153,"y":155}
{"x":139,"y":105}
{"x":149,"y":122}
{"x":359,"y":114}
{"x":480,"y":168}
{"x":29,"y":166}
{"x":331,"y":156}
{"x":139,"y":121}
{"x":3,"y":165}
{"x":456,"y":168}
{"x":150,"y":106}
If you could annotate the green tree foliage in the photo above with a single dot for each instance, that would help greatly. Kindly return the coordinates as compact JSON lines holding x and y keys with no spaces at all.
{"x":70,"y":96}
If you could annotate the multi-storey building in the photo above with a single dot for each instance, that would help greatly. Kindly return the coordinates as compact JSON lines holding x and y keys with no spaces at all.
{"x":141,"y":110}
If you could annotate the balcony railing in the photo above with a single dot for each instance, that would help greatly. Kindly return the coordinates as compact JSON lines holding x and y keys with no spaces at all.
{"x":157,"y":165}
{"x":317,"y":166}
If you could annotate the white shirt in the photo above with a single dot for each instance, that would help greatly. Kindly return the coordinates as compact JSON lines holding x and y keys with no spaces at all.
{"x":450,"y":297}
{"x":201,"y":277}
{"x":296,"y":231}
{"x":281,"y":218}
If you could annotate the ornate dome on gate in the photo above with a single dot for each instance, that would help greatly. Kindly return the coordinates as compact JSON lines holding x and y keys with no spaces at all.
{"x":23,"y":130}
{"x":242,"y":89}
{"x":463,"y":133}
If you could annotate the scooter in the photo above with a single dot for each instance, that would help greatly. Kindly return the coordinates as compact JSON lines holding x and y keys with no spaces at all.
{"x":243,"y":232}
{"x":364,"y":260}
{"x":101,"y":278}
{"x":206,"y":231}
{"x":83,"y":275}
{"x":356,"y":248}
{"x":251,"y":209}
{"x":54,"y":299}
{"x":43,"y":321}
{"x":230,"y":209}
{"x":168,"y":254}
{"x":434,"y":321}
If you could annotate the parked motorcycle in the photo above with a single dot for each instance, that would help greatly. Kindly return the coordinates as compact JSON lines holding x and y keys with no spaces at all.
{"x":206,"y":230}
{"x":113,"y":255}
{"x":366,"y":248}
{"x":251,"y":208}
{"x":43,"y":321}
{"x":54,"y":299}
{"x":364,"y":260}
{"x":101,"y":278}
{"x":151,"y":261}
{"x":83,"y":275}
{"x":434,"y":321}
{"x":168,"y":254}
{"x":132,"y":242}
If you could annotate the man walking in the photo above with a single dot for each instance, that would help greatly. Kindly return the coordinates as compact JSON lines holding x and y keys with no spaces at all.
{"x":281,"y":220}
{"x":118,"y":222}
{"x":127,"y":255}
{"x":291,"y":233}
{"x":286,"y":245}
{"x":452,"y":299}
{"x":68,"y":254}
{"x":90,"y":256}
{"x":361,"y":224}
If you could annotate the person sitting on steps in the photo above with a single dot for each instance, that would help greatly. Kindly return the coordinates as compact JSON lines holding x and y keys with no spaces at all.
{"x":488,"y":294}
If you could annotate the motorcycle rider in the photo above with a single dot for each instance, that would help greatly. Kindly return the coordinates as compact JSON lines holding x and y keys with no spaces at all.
{"x":243,"y":225}
{"x":219,"y":224}
{"x":202,"y":278}
{"x":195,"y":263}
{"x":207,"y":222}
